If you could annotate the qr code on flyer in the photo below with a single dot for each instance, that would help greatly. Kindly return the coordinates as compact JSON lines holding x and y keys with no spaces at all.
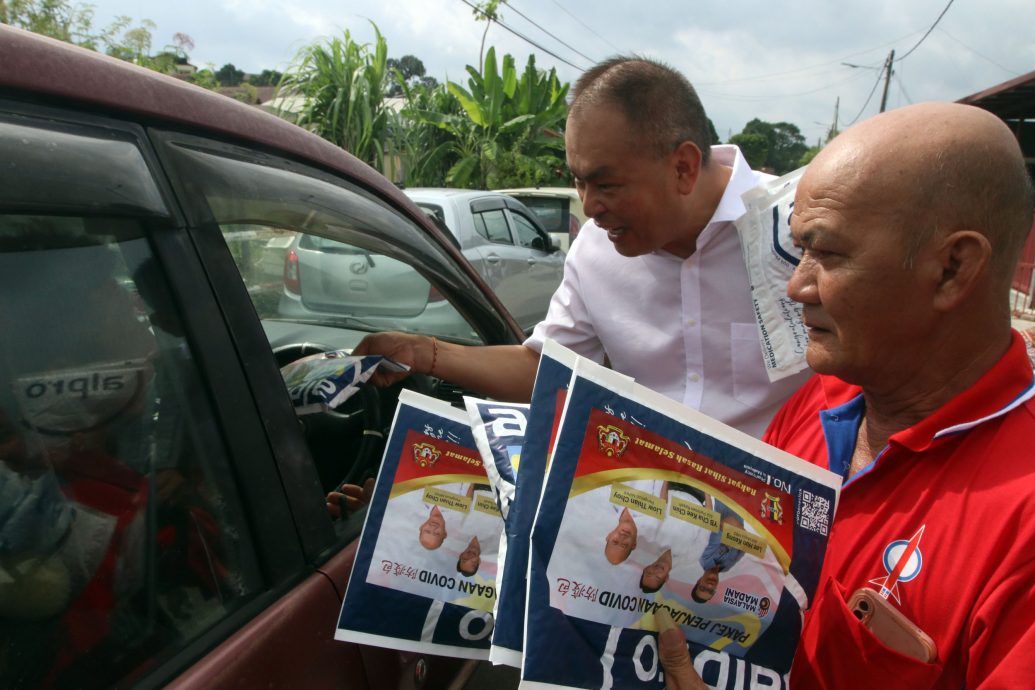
{"x":814,"y":512}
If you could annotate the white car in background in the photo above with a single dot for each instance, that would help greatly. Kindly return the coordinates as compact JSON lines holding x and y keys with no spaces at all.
{"x":558,"y":208}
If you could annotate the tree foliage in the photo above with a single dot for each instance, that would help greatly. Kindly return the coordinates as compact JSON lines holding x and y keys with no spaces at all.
{"x":784,"y":145}
{"x":228,"y":75}
{"x":754,"y":146}
{"x":124,"y":38}
{"x":509,"y":130}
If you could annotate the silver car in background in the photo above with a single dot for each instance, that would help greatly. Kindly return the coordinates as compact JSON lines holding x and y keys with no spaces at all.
{"x":503,"y":240}
{"x":506,"y":243}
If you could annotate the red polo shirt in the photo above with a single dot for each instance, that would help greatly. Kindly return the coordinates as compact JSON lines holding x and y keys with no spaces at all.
{"x":954,"y":497}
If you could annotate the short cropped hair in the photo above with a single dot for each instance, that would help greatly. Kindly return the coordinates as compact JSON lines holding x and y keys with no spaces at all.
{"x":656,"y":100}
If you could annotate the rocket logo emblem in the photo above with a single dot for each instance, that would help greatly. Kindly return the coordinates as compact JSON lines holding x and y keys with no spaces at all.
{"x":903,"y":561}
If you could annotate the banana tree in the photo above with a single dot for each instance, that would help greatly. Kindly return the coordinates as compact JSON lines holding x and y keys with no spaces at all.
{"x":509,"y":129}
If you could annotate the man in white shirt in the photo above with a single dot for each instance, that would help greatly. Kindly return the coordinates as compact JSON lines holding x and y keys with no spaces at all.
{"x":656,"y":282}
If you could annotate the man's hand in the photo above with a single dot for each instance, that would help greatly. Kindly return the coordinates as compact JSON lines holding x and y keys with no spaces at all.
{"x":415,"y":351}
{"x":351,"y":498}
{"x":675,"y":656}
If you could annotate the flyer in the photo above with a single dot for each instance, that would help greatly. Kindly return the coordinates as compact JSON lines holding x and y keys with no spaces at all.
{"x":499,"y":432}
{"x":548,"y":395}
{"x":424,"y":579}
{"x":648,"y":504}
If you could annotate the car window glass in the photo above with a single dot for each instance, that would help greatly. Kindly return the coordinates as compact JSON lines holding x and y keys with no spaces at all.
{"x":492,"y":225}
{"x":122,"y":538}
{"x":314,"y":253}
{"x":551,"y":211}
{"x":97,"y":170}
{"x":527,"y":233}
{"x":438,"y":216}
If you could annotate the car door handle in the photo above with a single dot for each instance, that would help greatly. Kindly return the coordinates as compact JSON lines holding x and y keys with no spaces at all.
{"x":532,"y":261}
{"x":493,"y":258}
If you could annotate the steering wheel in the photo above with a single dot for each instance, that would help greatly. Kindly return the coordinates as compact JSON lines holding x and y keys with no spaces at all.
{"x":328,"y":432}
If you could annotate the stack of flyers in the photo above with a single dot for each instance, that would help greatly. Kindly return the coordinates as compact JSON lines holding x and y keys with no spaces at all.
{"x":647,"y":505}
{"x":424,"y":579}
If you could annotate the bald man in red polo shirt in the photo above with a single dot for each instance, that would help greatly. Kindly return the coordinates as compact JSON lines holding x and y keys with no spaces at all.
{"x":911,"y":224}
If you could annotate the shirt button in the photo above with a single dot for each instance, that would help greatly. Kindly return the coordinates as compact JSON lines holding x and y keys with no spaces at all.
{"x":695,"y":378}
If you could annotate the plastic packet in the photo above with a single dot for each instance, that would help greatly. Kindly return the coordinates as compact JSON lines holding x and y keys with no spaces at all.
{"x":771,"y":258}
{"x":326,"y":380}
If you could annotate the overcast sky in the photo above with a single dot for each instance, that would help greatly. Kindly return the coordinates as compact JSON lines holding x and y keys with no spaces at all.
{"x":778,"y":61}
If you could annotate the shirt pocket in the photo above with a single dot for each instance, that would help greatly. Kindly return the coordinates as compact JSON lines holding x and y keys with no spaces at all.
{"x":750,"y":380}
{"x":837,"y":651}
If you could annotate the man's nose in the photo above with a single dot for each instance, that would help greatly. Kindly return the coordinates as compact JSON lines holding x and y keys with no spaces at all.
{"x":802,"y":285}
{"x":591,"y":203}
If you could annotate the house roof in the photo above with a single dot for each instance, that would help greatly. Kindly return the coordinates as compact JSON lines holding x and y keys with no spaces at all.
{"x":1012,"y":100}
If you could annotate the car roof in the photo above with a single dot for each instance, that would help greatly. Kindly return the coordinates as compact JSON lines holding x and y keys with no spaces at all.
{"x":541,"y":191}
{"x":42,"y":66}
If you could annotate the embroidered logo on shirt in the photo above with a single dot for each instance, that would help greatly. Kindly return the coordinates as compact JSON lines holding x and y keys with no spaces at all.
{"x":902,"y":560}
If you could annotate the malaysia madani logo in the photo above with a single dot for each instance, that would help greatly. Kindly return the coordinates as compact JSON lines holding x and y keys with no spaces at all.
{"x":611,"y":441}
{"x":771,"y":509}
{"x":425,"y":454}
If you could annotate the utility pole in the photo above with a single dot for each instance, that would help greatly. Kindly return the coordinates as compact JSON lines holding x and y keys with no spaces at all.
{"x":887,"y":79}
{"x":832,"y":132}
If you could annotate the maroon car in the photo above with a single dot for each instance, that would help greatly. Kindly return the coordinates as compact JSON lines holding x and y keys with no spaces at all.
{"x":162,"y":516}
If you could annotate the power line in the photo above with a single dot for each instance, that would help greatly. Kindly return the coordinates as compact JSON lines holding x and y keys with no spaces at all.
{"x":524,"y":38}
{"x":872,"y":91}
{"x":586,"y":26}
{"x":1005,"y":69}
{"x":529,"y":20}
{"x":805,"y":69}
{"x":922,"y":38}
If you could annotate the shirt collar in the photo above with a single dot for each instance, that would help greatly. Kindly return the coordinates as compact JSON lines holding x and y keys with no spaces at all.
{"x":731,"y":205}
{"x":743,"y":178}
{"x":1007,"y":385}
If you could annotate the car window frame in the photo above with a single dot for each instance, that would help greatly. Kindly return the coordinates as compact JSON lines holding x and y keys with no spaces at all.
{"x":295,"y":464}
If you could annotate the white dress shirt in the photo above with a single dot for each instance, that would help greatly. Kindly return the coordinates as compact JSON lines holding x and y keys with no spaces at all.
{"x":683,"y":327}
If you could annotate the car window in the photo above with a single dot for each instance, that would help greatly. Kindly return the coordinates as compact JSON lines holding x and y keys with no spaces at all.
{"x":316,"y":253}
{"x":526,"y":232}
{"x":552,"y":212}
{"x":122,"y":536}
{"x":492,"y":225}
{"x":437,"y":215}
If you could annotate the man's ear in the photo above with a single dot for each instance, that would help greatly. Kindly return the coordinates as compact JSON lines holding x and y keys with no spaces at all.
{"x":965,"y":257}
{"x":687,"y":164}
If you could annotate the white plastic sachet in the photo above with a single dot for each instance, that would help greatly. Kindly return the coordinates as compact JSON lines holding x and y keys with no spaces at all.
{"x":771,"y":258}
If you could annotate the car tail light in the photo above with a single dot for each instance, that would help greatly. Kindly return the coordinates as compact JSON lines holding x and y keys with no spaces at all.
{"x":292,"y":273}
{"x":434,"y":295}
